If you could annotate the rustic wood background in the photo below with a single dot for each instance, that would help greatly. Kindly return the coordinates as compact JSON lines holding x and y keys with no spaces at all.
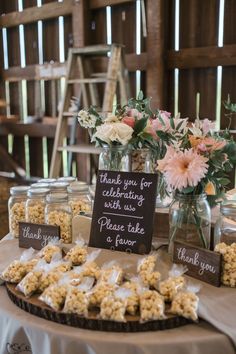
{"x":195,"y":64}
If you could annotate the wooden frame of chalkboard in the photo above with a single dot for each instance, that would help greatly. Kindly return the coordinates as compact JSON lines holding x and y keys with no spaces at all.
{"x":123,"y":211}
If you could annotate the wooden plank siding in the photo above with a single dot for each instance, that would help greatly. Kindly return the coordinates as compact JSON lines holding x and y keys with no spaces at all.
{"x":85,"y":23}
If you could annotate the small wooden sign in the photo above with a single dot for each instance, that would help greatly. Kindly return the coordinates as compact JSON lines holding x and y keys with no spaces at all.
{"x":123,"y":211}
{"x":202,"y":264}
{"x":36,"y":235}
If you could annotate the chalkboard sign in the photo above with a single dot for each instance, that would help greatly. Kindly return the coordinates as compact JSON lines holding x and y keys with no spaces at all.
{"x":37,"y":235}
{"x":123,"y":211}
{"x":202,"y":264}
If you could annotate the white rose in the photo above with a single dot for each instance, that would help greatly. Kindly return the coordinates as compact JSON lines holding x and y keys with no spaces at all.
{"x":112,"y":132}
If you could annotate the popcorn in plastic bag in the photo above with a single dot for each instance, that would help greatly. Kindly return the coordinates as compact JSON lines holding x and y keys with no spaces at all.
{"x":152,"y":306}
{"x":55,"y":295}
{"x":133,"y":299}
{"x":77,"y":254}
{"x":103,"y":289}
{"x":145,"y":269}
{"x":90,"y":267}
{"x":228,"y":275}
{"x":113,"y":307}
{"x":51,"y":250}
{"x":185,"y":303}
{"x":112,"y":272}
{"x":169,"y":287}
{"x":30,"y":283}
{"x":77,"y":300}
{"x":17,"y":269}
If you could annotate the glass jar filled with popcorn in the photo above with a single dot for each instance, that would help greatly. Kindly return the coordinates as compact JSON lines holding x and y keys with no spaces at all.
{"x":59,"y":187}
{"x":16,"y":208}
{"x":58,"y":212}
{"x":78,"y":198}
{"x":35,"y":205}
{"x":225,"y":227}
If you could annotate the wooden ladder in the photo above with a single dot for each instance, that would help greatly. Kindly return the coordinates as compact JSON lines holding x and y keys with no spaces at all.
{"x":79,"y":72}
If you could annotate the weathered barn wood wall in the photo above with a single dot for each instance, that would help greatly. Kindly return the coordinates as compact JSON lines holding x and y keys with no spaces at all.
{"x":85,"y":22}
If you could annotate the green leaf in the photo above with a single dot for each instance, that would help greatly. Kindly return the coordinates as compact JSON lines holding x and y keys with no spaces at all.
{"x":140,"y":95}
{"x":172,"y":124}
{"x":224,"y":181}
{"x":140,"y":125}
{"x":188,"y":190}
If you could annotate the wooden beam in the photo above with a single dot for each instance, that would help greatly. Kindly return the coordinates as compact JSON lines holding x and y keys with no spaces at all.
{"x":33,"y":14}
{"x":35,"y":72}
{"x":96,"y":4}
{"x":202,"y":57}
{"x":58,"y":70}
{"x":155,"y":52}
{"x":37,"y":130}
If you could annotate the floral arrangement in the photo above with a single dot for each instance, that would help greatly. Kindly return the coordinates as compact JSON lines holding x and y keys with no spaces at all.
{"x":133,"y":124}
{"x":199,"y":161}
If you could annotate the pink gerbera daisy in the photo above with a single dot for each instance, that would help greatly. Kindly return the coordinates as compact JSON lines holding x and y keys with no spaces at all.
{"x":186,"y":169}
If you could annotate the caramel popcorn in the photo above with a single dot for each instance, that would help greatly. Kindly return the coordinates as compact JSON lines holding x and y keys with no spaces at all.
{"x":169,"y":287}
{"x":54,"y":296}
{"x":147,"y":264}
{"x":15,"y":272}
{"x":185,"y":304}
{"x":30,"y":283}
{"x":31,"y":264}
{"x":91,"y":269}
{"x":152,"y":306}
{"x":113,"y":309}
{"x":35,"y":213}
{"x":150,"y":279}
{"x":100,"y":291}
{"x":113,"y":273}
{"x":77,"y":255}
{"x":63,"y":267}
{"x":76,"y":302}
{"x":80,"y":205}
{"x":16,"y":214}
{"x":49,"y":251}
{"x":47,"y":279}
{"x":62,"y":219}
{"x":133,"y":299}
{"x":228,"y":275}
{"x":139,"y":161}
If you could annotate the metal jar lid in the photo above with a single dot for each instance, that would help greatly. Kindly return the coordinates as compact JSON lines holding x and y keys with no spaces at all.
{"x":68,"y":179}
{"x":19,"y":190}
{"x":47,"y":180}
{"x":39,"y":185}
{"x":36,"y":192}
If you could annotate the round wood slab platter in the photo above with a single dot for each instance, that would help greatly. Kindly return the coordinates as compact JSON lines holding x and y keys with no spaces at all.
{"x":36,"y":307}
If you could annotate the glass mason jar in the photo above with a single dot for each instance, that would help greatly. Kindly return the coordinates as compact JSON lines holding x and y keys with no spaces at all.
{"x":164,"y":196}
{"x":35,"y":205}
{"x":16,"y":208}
{"x":225,"y":227}
{"x":190,"y":220}
{"x":115,"y":158}
{"x":78,"y":199}
{"x":59,"y":187}
{"x":58,"y":212}
{"x":69,"y":179}
{"x":141,"y":161}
